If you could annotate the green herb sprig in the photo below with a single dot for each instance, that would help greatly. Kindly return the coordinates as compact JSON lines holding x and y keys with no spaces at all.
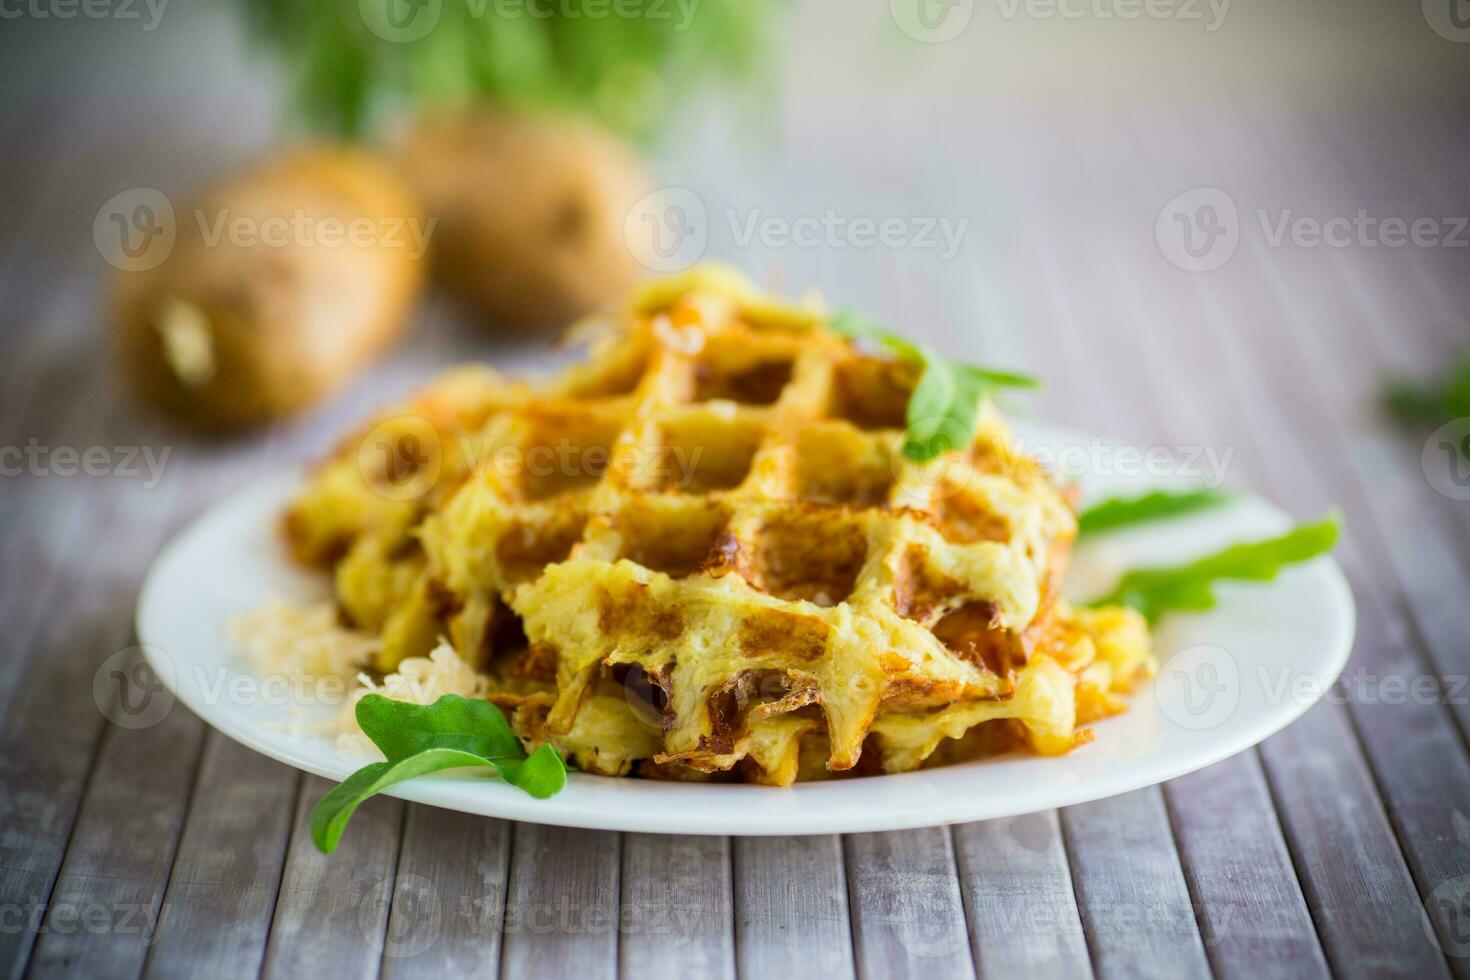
{"x":1116,"y":512}
{"x":1190,"y":587}
{"x":942,"y":406}
{"x":418,"y":739}
{"x":1413,"y":400}
{"x":351,"y":60}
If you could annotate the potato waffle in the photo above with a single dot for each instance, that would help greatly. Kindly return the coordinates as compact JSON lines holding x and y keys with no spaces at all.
{"x":703,"y":553}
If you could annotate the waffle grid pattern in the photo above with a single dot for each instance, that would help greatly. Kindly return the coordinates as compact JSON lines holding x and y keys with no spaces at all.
{"x":715,"y":509}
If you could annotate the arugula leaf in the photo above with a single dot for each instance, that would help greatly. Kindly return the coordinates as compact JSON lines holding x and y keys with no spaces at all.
{"x":418,"y":739}
{"x":942,"y":406}
{"x":1190,"y":587}
{"x":1437,"y":402}
{"x":401,"y":728}
{"x":1115,"y":512}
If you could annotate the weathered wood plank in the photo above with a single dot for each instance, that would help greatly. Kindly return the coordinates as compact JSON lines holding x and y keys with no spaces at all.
{"x":908,"y":917}
{"x":52,"y":737}
{"x":1360,"y":909}
{"x":561,"y":913}
{"x":105,"y":904}
{"x":675,"y":917}
{"x":222,"y":890}
{"x":331,"y":915}
{"x":791,"y":906}
{"x":449,"y":903}
{"x":1019,"y":902}
{"x":1253,"y":917}
{"x":1136,"y":909}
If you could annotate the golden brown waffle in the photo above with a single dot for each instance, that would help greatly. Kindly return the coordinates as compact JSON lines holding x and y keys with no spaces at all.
{"x":704,"y":552}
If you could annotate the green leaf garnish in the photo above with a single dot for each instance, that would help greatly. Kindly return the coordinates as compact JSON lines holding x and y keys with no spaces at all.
{"x":349,"y":61}
{"x":1190,"y":587}
{"x":418,"y":739}
{"x":1436,"y":402}
{"x":943,"y":405}
{"x":1116,"y":512}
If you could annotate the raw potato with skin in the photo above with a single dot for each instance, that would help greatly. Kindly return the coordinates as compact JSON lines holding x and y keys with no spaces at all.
{"x":530,"y":212}
{"x":284,"y":281}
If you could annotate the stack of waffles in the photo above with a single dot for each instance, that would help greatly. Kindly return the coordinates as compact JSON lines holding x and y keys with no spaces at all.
{"x":703,"y":554}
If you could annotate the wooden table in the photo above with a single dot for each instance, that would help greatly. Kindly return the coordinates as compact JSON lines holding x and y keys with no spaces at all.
{"x":1340,"y":845}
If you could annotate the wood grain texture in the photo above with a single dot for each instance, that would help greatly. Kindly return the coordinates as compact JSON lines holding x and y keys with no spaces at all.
{"x":105,"y":904}
{"x":562,"y":909}
{"x":791,"y":907}
{"x":908,"y":917}
{"x":222,"y":891}
{"x":675,"y":912}
{"x":1136,"y":909}
{"x":1252,"y":915}
{"x":1019,"y":902}
{"x":331,"y":915}
{"x":449,"y":901}
{"x":1106,"y":373}
{"x":1326,"y":797}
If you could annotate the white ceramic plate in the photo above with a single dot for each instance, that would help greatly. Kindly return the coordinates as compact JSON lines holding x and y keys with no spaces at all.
{"x":1229,"y":679}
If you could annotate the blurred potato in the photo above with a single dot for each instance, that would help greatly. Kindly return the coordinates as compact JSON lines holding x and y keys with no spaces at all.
{"x":284,"y":281}
{"x":530,"y":212}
